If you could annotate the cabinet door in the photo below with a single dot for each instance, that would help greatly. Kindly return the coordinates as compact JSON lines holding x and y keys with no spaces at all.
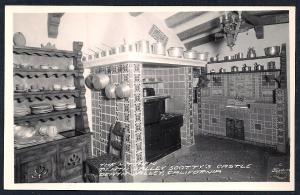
{"x":230,"y":126}
{"x":239,"y":129}
{"x":38,"y":166}
{"x":154,"y":141}
{"x":71,"y":160}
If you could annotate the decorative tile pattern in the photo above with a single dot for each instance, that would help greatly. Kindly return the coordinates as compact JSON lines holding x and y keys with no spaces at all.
{"x":128,"y":111}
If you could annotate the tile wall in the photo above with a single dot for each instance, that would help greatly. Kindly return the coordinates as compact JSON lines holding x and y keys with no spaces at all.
{"x":264,"y":120}
{"x":176,"y":82}
{"x":128,"y":111}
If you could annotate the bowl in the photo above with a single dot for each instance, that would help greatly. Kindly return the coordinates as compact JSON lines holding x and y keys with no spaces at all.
{"x":175,"y":52}
{"x":191,"y":54}
{"x":272,"y":51}
{"x":71,"y":87}
{"x":64,"y":88}
{"x":56,"y":87}
{"x":44,"y":67}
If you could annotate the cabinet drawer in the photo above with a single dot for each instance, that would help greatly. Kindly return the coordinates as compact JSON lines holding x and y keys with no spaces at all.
{"x":71,"y":162}
{"x":42,"y":169}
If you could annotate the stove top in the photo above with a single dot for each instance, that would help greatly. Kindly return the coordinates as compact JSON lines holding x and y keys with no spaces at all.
{"x":167,"y":116}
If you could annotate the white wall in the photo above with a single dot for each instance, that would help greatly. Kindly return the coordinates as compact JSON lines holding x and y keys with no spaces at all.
{"x":34,"y":27}
{"x":92,"y":29}
{"x":273,"y":35}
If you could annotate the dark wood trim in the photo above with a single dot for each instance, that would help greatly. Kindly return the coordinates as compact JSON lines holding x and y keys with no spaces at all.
{"x":252,"y":19}
{"x":201,"y":41}
{"x":53,"y":24}
{"x":181,"y":17}
{"x":275,"y":19}
{"x":43,"y":52}
{"x":199,"y":29}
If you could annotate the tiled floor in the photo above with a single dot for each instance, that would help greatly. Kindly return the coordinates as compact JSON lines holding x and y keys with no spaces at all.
{"x":264,"y":164}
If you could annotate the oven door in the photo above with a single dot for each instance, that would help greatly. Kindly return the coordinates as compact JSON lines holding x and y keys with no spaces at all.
{"x":153,"y":110}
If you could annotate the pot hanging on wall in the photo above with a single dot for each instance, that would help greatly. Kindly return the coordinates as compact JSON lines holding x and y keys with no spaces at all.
{"x":100,"y":81}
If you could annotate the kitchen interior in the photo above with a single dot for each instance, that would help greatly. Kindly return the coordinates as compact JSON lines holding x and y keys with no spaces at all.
{"x":103,"y":97}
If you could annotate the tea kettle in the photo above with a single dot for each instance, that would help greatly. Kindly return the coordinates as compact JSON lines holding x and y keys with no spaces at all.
{"x":251,"y":52}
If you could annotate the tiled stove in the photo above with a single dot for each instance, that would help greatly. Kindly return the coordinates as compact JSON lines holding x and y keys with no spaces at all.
{"x":177,"y":82}
{"x":246,"y":106}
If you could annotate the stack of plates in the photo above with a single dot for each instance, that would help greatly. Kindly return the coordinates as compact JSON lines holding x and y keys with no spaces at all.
{"x":41,"y":108}
{"x":71,"y":106}
{"x":21,"y":111}
{"x":60,"y":106}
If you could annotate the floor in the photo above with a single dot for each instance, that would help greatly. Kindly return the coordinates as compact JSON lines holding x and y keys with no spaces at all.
{"x":214,"y":159}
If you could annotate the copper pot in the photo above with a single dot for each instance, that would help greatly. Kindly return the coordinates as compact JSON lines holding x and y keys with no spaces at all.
{"x":100,"y":81}
{"x":123,"y":90}
{"x":110,"y":91}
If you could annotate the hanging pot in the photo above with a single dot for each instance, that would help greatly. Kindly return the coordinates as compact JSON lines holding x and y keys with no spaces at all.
{"x":89,"y":82}
{"x":123,"y":90}
{"x":110,"y":91}
{"x":100,"y":81}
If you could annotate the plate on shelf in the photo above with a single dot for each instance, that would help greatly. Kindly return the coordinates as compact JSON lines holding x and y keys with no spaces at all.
{"x":34,"y":90}
{"x":41,"y":106}
{"x":20,"y":90}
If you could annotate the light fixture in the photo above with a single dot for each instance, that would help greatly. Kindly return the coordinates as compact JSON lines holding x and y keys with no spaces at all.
{"x":230,"y":25}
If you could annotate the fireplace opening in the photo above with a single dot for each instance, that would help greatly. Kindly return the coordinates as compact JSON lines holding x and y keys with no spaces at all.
{"x":235,"y":129}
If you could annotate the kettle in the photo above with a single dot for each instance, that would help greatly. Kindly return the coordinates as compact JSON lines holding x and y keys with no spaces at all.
{"x":258,"y":67}
{"x":251,"y":52}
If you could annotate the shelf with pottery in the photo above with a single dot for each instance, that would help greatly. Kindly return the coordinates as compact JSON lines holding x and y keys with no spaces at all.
{"x":43,"y":52}
{"x":241,"y":72}
{"x":48,"y":116}
{"x":145,"y":59}
{"x":55,"y":156}
{"x":30,"y":73}
{"x":47,"y":94}
{"x":245,"y":59}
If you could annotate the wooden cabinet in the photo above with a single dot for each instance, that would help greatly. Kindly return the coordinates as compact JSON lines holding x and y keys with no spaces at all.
{"x":61,"y":158}
{"x":71,"y":158}
{"x":52,"y":162}
{"x":37,"y":165}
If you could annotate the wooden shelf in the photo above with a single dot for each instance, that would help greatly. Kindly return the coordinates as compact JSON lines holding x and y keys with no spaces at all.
{"x":244,"y":59}
{"x":43,"y":52}
{"x":30,"y":73}
{"x":41,"y":95}
{"x":48,"y":116}
{"x":242,"y":72}
{"x":145,"y":59}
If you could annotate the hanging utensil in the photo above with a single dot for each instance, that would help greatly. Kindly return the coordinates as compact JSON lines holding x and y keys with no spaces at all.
{"x":110,"y":89}
{"x":123,"y":90}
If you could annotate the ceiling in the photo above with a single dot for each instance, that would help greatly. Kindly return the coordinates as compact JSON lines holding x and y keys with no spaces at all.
{"x":197,"y":28}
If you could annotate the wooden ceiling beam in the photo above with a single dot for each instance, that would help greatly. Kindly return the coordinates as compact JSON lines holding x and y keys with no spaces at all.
{"x":53,"y":24}
{"x":199,"y":29}
{"x":201,"y":41}
{"x":181,"y":17}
